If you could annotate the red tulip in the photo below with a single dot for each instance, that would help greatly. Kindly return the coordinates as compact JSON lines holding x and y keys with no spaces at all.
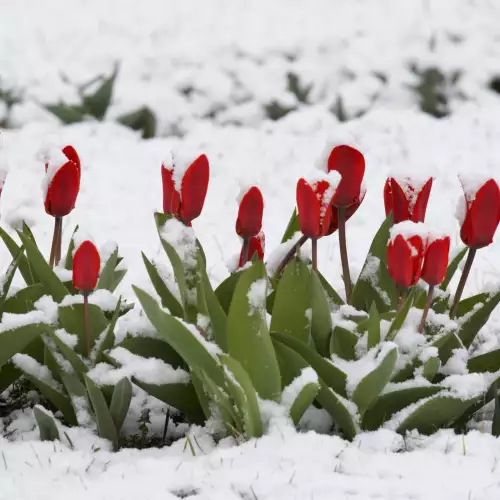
{"x":186,"y":204}
{"x":314,"y":203}
{"x":256,"y":246}
{"x":436,"y":261}
{"x":86,"y":265}
{"x":350,"y":164}
{"x":349,"y":212}
{"x":63,"y":186}
{"x":407,"y":202}
{"x":482,"y":215}
{"x":404,"y":259}
{"x":249,"y":221}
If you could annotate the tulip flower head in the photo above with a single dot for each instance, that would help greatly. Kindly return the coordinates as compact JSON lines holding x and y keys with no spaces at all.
{"x":249,"y":221}
{"x":314,"y":203}
{"x":406,"y":199}
{"x":256,"y":246}
{"x":479,"y":212}
{"x":62,"y":181}
{"x":350,"y":164}
{"x":86,"y":265}
{"x":436,"y":260}
{"x":185,"y":185}
{"x":405,"y":253}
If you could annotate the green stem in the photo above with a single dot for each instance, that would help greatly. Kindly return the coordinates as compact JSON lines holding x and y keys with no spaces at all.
{"x":463,"y":280}
{"x":245,"y":250}
{"x":402,"y":297}
{"x":57,"y":253}
{"x":314,"y":243}
{"x":54,"y":244}
{"x":289,"y":256}
{"x":343,"y":254}
{"x":86,"y":320}
{"x":428,"y":303}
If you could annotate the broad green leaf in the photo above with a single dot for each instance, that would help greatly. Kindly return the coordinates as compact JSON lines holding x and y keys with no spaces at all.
{"x":106,"y":278}
{"x":452,"y":267}
{"x":391,"y":402}
{"x":97,"y":103}
{"x":7,"y":281}
{"x":109,"y":337}
{"x":74,"y":386}
{"x":292,"y":227}
{"x":45,"y":274}
{"x":148,"y":347}
{"x":248,"y":337}
{"x":23,"y":263}
{"x":329,"y":373}
{"x":487,"y":362}
{"x":68,"y":261}
{"x":292,"y":304}
{"x":303,"y":401}
{"x":225,"y":291}
{"x":401,"y":316}
{"x":240,"y":386}
{"x":16,"y":340}
{"x":118,"y":275}
{"x":105,"y":425}
{"x":495,"y":425}
{"x":321,"y":319}
{"x":167,"y":298}
{"x":435,"y":413}
{"x":8,"y":375}
{"x":374,"y":283}
{"x":71,"y":319}
{"x":200,"y":392}
{"x":120,"y":402}
{"x":66,"y":113}
{"x":46,"y":424}
{"x":466,"y":305}
{"x":23,"y":301}
{"x":373,"y":327}
{"x":69,"y":354}
{"x":330,"y":291}
{"x":343,"y":343}
{"x":430,"y":368}
{"x":368,"y":390}
{"x":143,"y":120}
{"x":187,"y":345}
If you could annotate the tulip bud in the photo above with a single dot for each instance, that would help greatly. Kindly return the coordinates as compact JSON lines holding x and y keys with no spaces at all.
{"x":436,"y":261}
{"x":480,"y":214}
{"x":86,"y":265}
{"x":256,"y":246}
{"x":406,"y":199}
{"x":249,"y":221}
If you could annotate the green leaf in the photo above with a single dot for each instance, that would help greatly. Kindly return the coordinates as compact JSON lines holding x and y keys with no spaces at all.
{"x":69,"y":354}
{"x":373,"y":327}
{"x":303,"y":401}
{"x":66,"y":113}
{"x":240,"y":386}
{"x":292,"y":303}
{"x":430,"y":368}
{"x":330,"y":291}
{"x":435,"y":413}
{"x":391,"y":402}
{"x":120,"y":402}
{"x":487,"y":362}
{"x":225,"y":291}
{"x":24,"y":300}
{"x":46,"y":424}
{"x":23,"y":263}
{"x":109,"y":337}
{"x":292,"y":227}
{"x":7,"y":281}
{"x":68,"y":261}
{"x":17,"y":339}
{"x":466,"y":305}
{"x":200,"y":392}
{"x":370,"y":387}
{"x":377,"y":286}
{"x":105,"y":425}
{"x":452,"y":267}
{"x":187,"y":345}
{"x":8,"y":375}
{"x":343,"y":343}
{"x":167,"y":298}
{"x":495,"y":425}
{"x":71,"y":319}
{"x":118,"y":276}
{"x":329,"y":373}
{"x":147,"y":347}
{"x":321,"y":318}
{"x":46,"y":275}
{"x":97,"y":103}
{"x":142,"y":120}
{"x":401,"y":316}
{"x":248,"y":337}
{"x":107,"y":277}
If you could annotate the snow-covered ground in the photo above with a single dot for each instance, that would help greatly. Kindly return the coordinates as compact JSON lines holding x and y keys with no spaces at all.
{"x":191,"y":61}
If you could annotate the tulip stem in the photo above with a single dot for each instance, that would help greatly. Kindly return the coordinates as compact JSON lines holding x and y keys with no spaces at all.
{"x":86,"y":320}
{"x":428,"y":303}
{"x":314,"y":243}
{"x":245,"y":250}
{"x":463,"y":279}
{"x":289,"y":256}
{"x":402,"y":297}
{"x":343,"y":254}
{"x":57,"y":256}
{"x":55,"y":240}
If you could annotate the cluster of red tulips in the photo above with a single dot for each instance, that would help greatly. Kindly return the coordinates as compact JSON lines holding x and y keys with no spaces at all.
{"x":324,"y":206}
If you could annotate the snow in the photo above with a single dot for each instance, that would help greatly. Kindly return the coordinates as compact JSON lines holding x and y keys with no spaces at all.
{"x":34,"y":368}
{"x":257,"y":295}
{"x":278,"y":254}
{"x":407,"y":229}
{"x":12,"y":321}
{"x":183,"y":239}
{"x":291,"y":391}
{"x":182,"y":158}
{"x":68,"y":338}
{"x":103,"y":298}
{"x":54,"y":159}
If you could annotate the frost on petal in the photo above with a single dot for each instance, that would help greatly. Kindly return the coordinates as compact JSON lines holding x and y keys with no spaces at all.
{"x":54,"y":159}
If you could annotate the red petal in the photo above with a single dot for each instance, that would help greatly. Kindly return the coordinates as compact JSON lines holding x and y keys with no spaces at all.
{"x":420,"y":207}
{"x":436,"y":261}
{"x":482,"y":219}
{"x":71,"y":154}
{"x":86,"y":265}
{"x":194,"y":189}
{"x":249,"y":221}
{"x":400,"y":205}
{"x":171,"y":198}
{"x":399,"y":261}
{"x":63,"y":190}
{"x":309,"y":209}
{"x":388,"y":197}
{"x":350,"y":164}
{"x":256,"y":245}
{"x":418,"y":251}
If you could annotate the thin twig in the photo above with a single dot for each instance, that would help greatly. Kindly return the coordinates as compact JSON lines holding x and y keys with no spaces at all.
{"x":428,"y":303}
{"x":343,"y":253}
{"x":463,"y":280}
